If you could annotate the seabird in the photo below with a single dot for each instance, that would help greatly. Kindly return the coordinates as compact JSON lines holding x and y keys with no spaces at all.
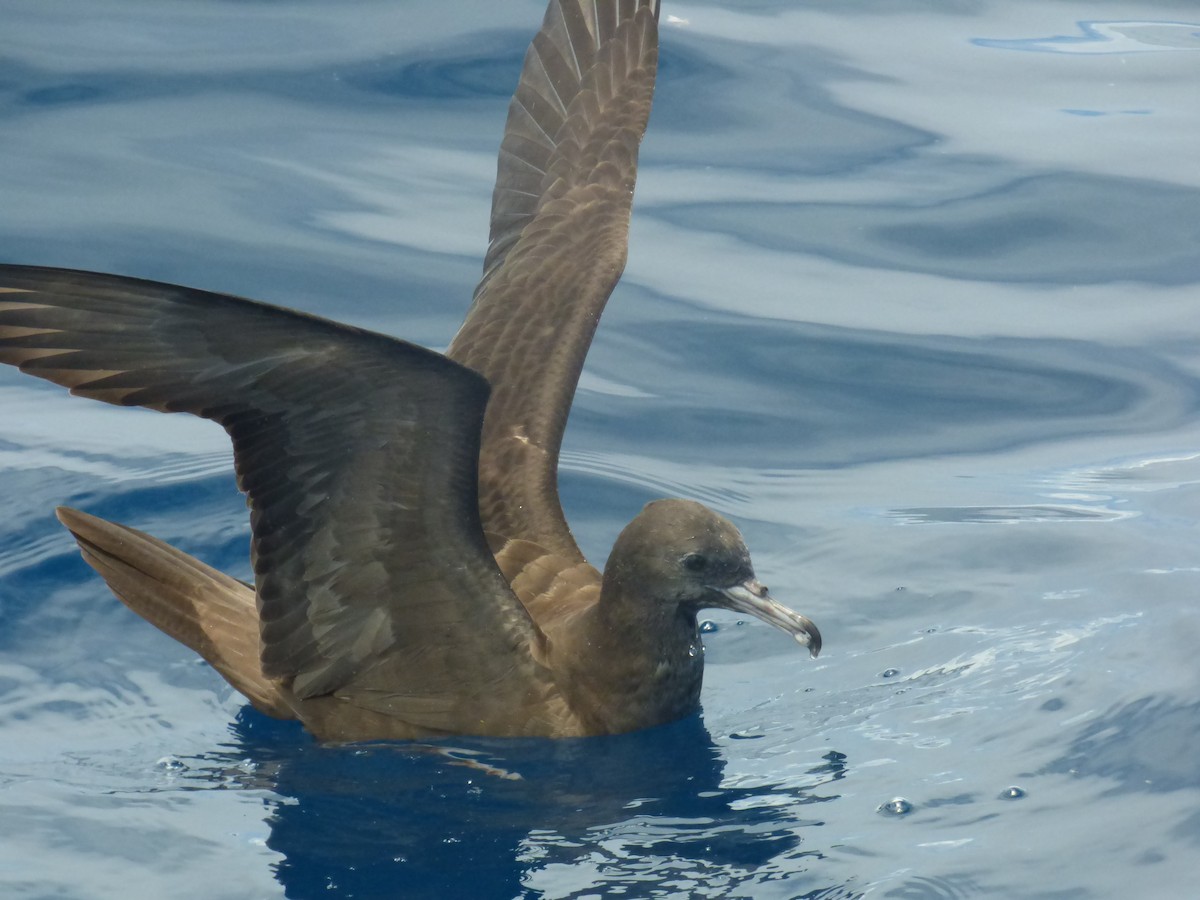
{"x":414,"y":575}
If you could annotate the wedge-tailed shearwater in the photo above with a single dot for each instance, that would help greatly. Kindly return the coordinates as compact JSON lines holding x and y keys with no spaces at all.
{"x":414,"y":575}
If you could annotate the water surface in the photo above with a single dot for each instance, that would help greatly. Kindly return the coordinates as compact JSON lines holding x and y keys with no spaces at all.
{"x":912,"y":296}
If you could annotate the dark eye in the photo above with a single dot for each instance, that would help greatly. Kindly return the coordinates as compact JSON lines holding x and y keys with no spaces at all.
{"x":695,"y":562}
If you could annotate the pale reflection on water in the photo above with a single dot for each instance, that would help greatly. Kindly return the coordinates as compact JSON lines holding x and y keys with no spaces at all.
{"x":912,"y":295}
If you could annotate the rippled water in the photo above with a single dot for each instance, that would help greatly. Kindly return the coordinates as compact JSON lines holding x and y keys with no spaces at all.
{"x":913,"y":296}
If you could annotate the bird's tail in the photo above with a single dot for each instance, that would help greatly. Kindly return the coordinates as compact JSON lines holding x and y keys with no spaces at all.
{"x":206,"y":610}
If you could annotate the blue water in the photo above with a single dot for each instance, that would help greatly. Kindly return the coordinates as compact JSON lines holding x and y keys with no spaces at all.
{"x":913,"y":296}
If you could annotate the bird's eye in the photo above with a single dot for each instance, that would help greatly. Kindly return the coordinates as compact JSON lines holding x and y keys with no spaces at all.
{"x":695,"y":562}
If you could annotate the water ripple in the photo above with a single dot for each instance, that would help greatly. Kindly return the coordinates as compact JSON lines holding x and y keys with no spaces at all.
{"x":1109,"y":37}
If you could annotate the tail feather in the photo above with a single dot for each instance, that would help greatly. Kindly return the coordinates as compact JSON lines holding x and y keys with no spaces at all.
{"x":204,"y":609}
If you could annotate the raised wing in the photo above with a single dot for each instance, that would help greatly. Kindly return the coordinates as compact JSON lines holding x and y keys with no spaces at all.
{"x":358,"y":455}
{"x":559,"y":235}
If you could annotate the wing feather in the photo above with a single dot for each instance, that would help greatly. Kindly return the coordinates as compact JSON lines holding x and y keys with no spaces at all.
{"x":559,"y":233}
{"x":358,"y":455}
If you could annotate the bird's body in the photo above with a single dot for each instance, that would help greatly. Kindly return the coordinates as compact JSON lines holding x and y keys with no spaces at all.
{"x":414,"y":574}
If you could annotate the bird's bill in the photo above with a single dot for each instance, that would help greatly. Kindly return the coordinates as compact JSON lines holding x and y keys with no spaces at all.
{"x":751,"y":597}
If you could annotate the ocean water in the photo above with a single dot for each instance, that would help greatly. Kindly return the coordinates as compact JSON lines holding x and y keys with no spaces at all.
{"x":913,"y":296}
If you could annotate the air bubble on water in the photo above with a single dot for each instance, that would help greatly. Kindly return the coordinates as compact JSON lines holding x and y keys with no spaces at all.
{"x":170,"y":764}
{"x":897,"y":806}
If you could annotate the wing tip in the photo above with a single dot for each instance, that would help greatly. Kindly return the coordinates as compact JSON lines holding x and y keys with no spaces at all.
{"x":73,"y":519}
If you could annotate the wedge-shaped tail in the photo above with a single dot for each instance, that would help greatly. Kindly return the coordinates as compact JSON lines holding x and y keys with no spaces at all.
{"x":200,"y":607}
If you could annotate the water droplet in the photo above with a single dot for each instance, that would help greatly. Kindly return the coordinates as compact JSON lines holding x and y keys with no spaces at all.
{"x":708,"y":627}
{"x":692,"y":651}
{"x":1012,"y":793}
{"x":171,"y":764}
{"x":889,"y":673}
{"x":897,"y":806}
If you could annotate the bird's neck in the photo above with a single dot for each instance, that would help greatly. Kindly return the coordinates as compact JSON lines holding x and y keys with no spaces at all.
{"x":630,"y":665}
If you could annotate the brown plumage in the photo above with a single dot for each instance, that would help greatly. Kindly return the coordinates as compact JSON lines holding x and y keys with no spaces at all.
{"x":414,"y":574}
